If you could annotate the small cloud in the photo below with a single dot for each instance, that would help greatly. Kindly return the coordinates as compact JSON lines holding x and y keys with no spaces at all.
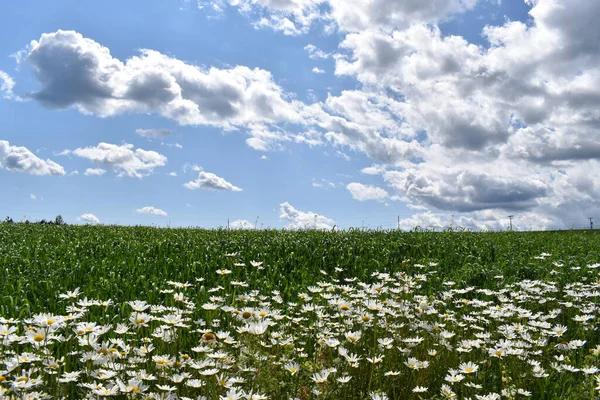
{"x":318,"y":70}
{"x":343,"y":155}
{"x":94,"y":172}
{"x":20,"y":55}
{"x":20,"y":159}
{"x":176,"y":145}
{"x":362,"y":192}
{"x":323,"y":183}
{"x":191,"y":167}
{"x":32,"y":196}
{"x":172,"y":173}
{"x":373,"y":170}
{"x":303,"y":220}
{"x":241,"y":224}
{"x":314,"y":52}
{"x":74,"y":173}
{"x":6,"y":85}
{"x":153,"y":133}
{"x":263,"y":157}
{"x":210,"y":181}
{"x":151,"y":210}
{"x":88,"y":218}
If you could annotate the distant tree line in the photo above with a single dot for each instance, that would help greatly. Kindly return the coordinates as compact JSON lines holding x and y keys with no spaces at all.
{"x":57,"y":221}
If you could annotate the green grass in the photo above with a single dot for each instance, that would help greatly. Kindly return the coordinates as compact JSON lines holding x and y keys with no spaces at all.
{"x":38,"y":262}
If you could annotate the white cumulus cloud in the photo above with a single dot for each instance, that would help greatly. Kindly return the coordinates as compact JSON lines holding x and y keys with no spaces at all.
{"x":89,"y":218}
{"x":20,"y":159}
{"x":241,"y":224}
{"x":123,"y":159}
{"x":210,"y":181}
{"x":74,"y":71}
{"x":362,"y":192}
{"x":303,"y":220}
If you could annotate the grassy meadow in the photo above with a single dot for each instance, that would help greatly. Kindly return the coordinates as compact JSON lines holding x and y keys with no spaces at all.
{"x":139,"y":312}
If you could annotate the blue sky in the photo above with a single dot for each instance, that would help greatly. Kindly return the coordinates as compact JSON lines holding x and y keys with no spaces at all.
{"x":290,"y":101}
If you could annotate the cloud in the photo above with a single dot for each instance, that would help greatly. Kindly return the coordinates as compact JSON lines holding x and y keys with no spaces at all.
{"x":290,"y":17}
{"x":518,"y":123}
{"x":7,"y":84}
{"x":358,"y":15}
{"x":315,"y":53}
{"x":265,"y":138}
{"x":323,"y":183}
{"x":210,"y":181}
{"x":94,"y":172}
{"x":74,"y":71}
{"x":153,"y":133}
{"x":32,"y":196}
{"x":362,"y":192}
{"x":295,"y":17}
{"x":124,"y":159}
{"x":465,"y":190}
{"x":191,"y":167}
{"x":173,"y":173}
{"x":151,"y":210}
{"x":365,"y":122}
{"x":303,"y":220}
{"x":20,"y":159}
{"x":176,"y":145}
{"x":426,"y":220}
{"x":373,"y":170}
{"x":241,"y":224}
{"x":89,"y":218}
{"x":318,"y":70}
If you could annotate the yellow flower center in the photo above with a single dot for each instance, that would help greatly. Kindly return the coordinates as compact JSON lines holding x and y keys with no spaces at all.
{"x":38,"y":338}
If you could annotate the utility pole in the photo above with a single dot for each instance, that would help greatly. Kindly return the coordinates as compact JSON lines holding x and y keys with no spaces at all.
{"x":227,"y":223}
{"x":451,"y":220}
{"x":510,"y":217}
{"x":398,"y":225}
{"x":591,"y":222}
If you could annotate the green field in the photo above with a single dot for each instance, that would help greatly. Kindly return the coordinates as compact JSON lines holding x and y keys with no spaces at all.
{"x":274,"y":314}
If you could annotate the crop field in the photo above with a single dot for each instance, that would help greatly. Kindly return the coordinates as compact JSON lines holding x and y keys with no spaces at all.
{"x":139,"y":312}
